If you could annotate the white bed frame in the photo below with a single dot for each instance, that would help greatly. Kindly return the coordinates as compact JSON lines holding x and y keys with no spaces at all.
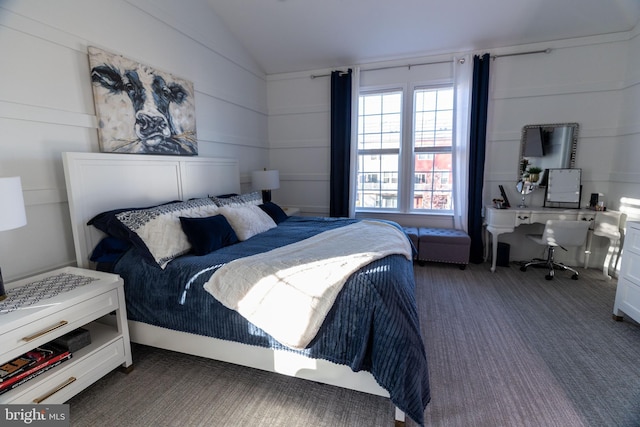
{"x":97,"y":182}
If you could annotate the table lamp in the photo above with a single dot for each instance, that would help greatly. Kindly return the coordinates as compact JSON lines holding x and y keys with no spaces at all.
{"x":266,"y":181}
{"x":12,"y":213}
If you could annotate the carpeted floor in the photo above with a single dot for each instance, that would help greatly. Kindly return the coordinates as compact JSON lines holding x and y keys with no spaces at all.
{"x":505,"y":349}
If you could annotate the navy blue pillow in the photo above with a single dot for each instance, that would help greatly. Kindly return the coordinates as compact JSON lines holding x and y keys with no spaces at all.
{"x":110,"y":249}
{"x":274,"y":211}
{"x":208,"y":234}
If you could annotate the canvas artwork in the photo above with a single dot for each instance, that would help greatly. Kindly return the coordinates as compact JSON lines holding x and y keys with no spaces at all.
{"x":140,"y":109}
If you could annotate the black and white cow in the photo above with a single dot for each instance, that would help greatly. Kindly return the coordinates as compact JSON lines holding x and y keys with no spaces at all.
{"x":156,"y":130}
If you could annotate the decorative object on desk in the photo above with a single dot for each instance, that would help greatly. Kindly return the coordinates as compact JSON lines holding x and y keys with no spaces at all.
{"x":12,"y":213}
{"x":524,"y":188}
{"x":499,"y":204}
{"x":265,"y":180}
{"x":563,"y":189}
{"x":524,"y":165}
{"x":505,"y":199}
{"x":534,"y":174}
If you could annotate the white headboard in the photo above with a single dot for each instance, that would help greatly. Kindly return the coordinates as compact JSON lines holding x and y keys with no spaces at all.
{"x":98,"y":182}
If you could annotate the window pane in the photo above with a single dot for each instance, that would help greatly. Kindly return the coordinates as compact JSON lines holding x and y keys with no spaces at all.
{"x":392,"y":103}
{"x":433,"y":181}
{"x":377,"y":181}
{"x":380,"y":121}
{"x":433,"y":117}
{"x":372,"y":104}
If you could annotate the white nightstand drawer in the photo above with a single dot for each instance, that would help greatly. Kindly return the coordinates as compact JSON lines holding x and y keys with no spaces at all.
{"x":64,"y":381}
{"x":42,"y":330}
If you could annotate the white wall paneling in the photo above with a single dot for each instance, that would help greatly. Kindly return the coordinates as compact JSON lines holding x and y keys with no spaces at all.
{"x":46,"y":100}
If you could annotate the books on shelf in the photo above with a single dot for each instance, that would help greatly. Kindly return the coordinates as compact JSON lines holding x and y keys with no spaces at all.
{"x":30,"y":365}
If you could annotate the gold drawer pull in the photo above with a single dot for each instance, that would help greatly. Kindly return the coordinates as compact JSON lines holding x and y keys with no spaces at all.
{"x":45,"y":331}
{"x":54,"y":391}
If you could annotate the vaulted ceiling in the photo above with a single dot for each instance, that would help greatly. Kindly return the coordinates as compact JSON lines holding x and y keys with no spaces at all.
{"x":300,"y":35}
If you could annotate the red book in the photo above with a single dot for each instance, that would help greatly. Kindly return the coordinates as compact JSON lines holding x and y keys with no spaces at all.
{"x":44,"y":363}
{"x":43,"y":368}
{"x":23,"y":363}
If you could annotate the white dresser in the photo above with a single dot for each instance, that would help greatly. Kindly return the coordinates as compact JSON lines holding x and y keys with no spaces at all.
{"x":628,"y":292}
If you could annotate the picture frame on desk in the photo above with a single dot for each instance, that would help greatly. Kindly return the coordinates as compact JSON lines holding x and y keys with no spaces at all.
{"x":505,"y":199}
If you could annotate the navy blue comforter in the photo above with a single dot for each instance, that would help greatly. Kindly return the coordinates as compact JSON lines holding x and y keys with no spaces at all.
{"x":373,"y":325}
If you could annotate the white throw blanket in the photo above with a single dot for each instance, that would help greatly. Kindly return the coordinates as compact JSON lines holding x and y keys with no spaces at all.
{"x":288,"y":291}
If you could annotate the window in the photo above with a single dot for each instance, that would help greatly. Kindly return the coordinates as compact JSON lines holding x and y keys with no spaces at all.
{"x":421,"y":157}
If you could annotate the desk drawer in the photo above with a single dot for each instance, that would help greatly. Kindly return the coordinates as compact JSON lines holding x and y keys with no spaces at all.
{"x":501,"y":218}
{"x":543,"y":217}
{"x":523,"y":218}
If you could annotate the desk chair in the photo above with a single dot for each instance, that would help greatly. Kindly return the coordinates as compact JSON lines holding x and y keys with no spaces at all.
{"x":558,"y":233}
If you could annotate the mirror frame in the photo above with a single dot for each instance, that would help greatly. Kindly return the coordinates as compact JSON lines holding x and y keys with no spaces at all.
{"x":573,"y":149}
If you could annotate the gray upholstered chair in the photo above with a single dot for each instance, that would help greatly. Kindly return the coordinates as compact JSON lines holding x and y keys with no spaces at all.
{"x":558,"y":233}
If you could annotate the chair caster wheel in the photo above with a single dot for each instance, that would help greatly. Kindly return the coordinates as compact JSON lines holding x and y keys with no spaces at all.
{"x":523,"y":268}
{"x":574,"y":277}
{"x":548,"y":277}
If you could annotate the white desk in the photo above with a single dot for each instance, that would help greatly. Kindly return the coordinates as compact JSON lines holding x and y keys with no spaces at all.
{"x":604,"y":223}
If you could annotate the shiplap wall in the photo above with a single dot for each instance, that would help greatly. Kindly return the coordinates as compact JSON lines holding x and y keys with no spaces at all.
{"x":46,"y":100}
{"x":592,"y":81}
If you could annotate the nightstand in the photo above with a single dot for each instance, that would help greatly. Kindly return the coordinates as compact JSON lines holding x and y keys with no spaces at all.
{"x":44,"y":307}
{"x":291,"y":210}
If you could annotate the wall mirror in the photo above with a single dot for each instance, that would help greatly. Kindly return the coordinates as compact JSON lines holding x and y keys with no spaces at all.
{"x":564,"y":188}
{"x":548,"y":146}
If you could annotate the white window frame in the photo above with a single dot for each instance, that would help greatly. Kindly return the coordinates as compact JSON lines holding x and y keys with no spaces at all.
{"x":427,"y":150}
{"x":406,"y":172}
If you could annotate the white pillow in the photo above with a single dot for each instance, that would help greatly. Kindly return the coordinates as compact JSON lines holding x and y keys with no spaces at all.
{"x":247,"y":220}
{"x":159,"y":229}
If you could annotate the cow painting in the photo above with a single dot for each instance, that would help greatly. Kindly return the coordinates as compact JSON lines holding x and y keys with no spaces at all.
{"x":141,"y":110}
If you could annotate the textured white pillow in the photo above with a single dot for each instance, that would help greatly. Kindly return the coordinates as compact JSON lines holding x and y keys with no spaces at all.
{"x":159,"y":228}
{"x":247,"y":220}
{"x":253,"y":198}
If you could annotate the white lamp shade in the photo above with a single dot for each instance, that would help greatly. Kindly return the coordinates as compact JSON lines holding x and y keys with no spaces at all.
{"x":12,"y":213}
{"x":265,"y":180}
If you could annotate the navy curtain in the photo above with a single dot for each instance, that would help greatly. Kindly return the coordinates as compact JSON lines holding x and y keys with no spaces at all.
{"x":477,"y":144}
{"x":340,"y":143}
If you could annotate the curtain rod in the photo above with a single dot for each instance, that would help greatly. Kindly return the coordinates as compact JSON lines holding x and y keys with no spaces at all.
{"x":547,"y":50}
{"x":313,"y":76}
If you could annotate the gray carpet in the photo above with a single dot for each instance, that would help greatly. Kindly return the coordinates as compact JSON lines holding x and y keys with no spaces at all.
{"x":505,"y":349}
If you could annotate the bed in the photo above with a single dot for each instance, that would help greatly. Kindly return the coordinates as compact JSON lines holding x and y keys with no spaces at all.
{"x":375,"y":308}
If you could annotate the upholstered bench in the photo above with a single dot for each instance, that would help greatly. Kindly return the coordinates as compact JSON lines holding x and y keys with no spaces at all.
{"x":440,"y":245}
